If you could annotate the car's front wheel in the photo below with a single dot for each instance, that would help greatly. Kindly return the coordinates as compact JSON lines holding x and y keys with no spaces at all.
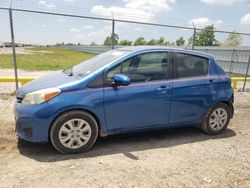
{"x":217,"y":119}
{"x":74,"y":132}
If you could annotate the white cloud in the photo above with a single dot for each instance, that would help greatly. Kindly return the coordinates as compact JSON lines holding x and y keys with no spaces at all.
{"x":43,"y":25}
{"x":60,"y":20}
{"x":149,"y":5}
{"x":245,"y":19}
{"x":99,"y":35}
{"x":45,"y":4}
{"x":75,"y":30}
{"x":202,"y":22}
{"x":89,"y":27}
{"x":136,"y":10}
{"x":138,"y":29}
{"x":220,"y":2}
{"x":85,"y":28}
{"x":123,"y":13}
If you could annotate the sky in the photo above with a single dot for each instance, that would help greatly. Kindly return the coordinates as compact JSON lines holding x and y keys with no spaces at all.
{"x":229,"y":15}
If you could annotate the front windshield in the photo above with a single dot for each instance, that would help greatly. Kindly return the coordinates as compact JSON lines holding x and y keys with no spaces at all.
{"x":95,"y":63}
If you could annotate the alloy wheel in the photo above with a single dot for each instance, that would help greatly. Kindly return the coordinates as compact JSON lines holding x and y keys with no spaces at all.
{"x":75,"y":133}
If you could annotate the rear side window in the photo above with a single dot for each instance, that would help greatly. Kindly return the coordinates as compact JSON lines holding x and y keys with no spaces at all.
{"x":190,"y":66}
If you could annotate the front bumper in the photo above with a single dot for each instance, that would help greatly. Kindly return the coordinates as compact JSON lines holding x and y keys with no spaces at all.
{"x":33,"y":121}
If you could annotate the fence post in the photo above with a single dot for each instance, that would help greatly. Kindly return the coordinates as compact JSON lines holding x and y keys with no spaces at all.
{"x":194,"y":36}
{"x":232,"y":59}
{"x":244,"y":85}
{"x":113,"y":34}
{"x":13,"y":47}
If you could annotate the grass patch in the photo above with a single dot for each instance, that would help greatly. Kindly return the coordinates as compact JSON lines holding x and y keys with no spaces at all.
{"x":56,"y":59}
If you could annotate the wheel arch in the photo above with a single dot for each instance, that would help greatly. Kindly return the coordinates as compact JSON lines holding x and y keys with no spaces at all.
{"x":224,"y":101}
{"x":230,"y":106}
{"x":76,"y":109}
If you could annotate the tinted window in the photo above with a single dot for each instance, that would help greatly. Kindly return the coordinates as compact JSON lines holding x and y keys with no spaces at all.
{"x":190,"y":65}
{"x":142,"y":68}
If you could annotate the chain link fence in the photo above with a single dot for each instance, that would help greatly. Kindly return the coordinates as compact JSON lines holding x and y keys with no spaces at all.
{"x":7,"y":69}
{"x":233,"y":60}
{"x":47,"y":41}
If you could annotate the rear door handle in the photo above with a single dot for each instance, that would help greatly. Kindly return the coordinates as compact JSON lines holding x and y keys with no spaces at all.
{"x":210,"y":81}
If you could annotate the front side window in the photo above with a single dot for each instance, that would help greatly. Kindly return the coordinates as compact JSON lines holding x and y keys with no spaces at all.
{"x":189,"y":66}
{"x":143,"y":68}
{"x":90,"y":65}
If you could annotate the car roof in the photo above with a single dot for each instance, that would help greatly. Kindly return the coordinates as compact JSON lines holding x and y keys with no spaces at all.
{"x":153,"y":48}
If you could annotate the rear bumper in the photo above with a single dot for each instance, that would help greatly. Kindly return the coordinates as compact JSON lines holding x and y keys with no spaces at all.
{"x":231,"y":106}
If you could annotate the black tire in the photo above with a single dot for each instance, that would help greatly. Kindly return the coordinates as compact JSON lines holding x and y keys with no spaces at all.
{"x":59,"y":122}
{"x":206,"y":126}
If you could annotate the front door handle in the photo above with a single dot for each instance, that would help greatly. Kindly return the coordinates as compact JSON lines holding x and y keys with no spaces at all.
{"x":162,"y":89}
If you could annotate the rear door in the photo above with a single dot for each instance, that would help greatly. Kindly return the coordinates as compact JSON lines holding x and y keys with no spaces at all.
{"x":193,"y":88}
{"x":146,"y":101}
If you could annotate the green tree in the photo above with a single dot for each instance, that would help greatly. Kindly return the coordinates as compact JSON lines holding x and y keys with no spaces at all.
{"x":205,"y":37}
{"x":152,"y":42}
{"x":140,"y":41}
{"x":168,"y":43}
{"x":180,"y":41}
{"x":163,"y":42}
{"x":126,"y":42}
{"x":108,"y":40}
{"x":233,"y":39}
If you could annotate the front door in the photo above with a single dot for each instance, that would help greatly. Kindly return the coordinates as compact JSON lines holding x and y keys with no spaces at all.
{"x":146,"y":101}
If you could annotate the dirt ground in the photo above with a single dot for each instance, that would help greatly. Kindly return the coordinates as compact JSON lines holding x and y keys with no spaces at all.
{"x":183,"y":157}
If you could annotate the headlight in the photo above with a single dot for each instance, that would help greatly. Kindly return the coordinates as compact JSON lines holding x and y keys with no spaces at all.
{"x":40,"y":96}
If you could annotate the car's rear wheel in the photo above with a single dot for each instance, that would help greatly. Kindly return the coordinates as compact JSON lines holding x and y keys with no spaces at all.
{"x":217,"y":119}
{"x":74,"y":132}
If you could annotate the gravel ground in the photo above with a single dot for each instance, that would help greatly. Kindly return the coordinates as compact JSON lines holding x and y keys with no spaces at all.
{"x":183,"y":157}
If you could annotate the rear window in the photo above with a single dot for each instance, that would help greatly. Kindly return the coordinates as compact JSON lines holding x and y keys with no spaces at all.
{"x":190,"y":66}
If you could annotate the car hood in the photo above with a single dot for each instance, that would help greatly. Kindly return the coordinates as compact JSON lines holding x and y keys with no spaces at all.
{"x":46,"y":81}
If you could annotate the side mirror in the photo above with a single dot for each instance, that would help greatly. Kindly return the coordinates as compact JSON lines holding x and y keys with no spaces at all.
{"x":121,"y":80}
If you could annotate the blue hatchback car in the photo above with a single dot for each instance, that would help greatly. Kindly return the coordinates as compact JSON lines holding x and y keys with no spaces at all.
{"x":124,"y":90}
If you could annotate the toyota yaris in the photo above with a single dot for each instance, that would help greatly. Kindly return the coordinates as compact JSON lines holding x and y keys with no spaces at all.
{"x":124,"y":90}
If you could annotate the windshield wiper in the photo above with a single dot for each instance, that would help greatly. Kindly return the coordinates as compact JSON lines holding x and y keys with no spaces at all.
{"x":69,"y":71}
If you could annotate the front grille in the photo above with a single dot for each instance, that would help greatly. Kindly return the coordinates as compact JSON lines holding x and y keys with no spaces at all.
{"x":19,"y":98}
